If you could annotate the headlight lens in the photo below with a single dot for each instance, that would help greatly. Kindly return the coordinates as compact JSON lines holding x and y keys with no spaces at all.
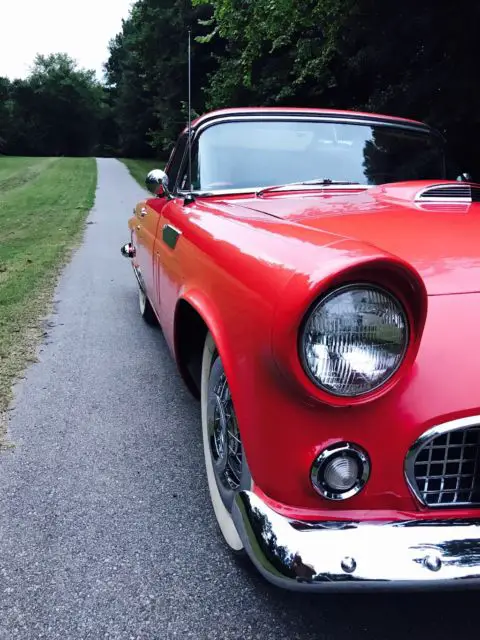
{"x":354,"y":340}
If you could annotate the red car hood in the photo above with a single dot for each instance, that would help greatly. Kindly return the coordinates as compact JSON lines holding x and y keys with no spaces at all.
{"x":441,"y":240}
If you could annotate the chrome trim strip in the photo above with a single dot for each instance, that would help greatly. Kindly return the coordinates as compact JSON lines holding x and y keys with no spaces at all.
{"x":445,"y":200}
{"x":327,"y":556}
{"x":434,"y":432}
{"x":138,"y":275}
{"x":324,"y":117}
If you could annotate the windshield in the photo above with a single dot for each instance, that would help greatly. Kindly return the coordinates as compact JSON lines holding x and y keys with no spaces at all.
{"x":254,"y":154}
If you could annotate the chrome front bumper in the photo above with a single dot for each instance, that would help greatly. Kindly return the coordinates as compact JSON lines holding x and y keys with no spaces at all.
{"x":345,"y":555}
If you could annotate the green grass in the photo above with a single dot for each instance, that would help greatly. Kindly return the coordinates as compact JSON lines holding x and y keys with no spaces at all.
{"x":140,"y":168}
{"x":43,"y":206}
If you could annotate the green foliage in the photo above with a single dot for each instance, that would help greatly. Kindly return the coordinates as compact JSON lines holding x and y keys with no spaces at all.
{"x":57,"y":110}
{"x":147,"y":71}
{"x":410,"y":59}
{"x":275,"y":48}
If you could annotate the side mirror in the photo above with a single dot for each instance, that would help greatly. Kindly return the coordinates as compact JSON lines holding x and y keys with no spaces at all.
{"x":464,"y":177}
{"x":157,"y":183}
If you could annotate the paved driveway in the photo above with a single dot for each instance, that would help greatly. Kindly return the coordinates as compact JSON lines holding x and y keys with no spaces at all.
{"x":106,"y":530}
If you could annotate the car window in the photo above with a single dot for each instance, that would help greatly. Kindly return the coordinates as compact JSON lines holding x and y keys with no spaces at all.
{"x":175,"y":161}
{"x":196,"y":182}
{"x":253,"y":154}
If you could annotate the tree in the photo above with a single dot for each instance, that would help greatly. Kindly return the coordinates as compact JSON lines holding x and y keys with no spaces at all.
{"x":279,"y":51}
{"x":411,"y":59}
{"x":5,"y":113}
{"x":55,"y":111}
{"x":147,"y":73}
{"x":69,"y":102}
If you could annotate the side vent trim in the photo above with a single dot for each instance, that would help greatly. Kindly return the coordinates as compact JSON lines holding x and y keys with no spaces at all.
{"x":463,"y":193}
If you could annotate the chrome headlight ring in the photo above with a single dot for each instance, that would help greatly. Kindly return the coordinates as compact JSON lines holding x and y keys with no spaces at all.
{"x":340,"y":452}
{"x":354,"y":339}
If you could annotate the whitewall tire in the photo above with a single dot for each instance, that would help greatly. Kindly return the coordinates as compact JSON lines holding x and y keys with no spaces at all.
{"x":146,"y":310}
{"x":221,"y":493}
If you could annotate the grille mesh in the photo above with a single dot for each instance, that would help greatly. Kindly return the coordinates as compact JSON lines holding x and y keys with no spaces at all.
{"x":447,"y":469}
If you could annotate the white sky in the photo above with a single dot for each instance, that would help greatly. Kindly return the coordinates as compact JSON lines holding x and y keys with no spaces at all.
{"x":81,"y":28}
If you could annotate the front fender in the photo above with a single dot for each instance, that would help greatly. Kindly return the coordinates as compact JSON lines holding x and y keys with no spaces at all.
{"x":211,"y":315}
{"x":245,"y":350}
{"x":236,"y":345}
{"x":345,"y":262}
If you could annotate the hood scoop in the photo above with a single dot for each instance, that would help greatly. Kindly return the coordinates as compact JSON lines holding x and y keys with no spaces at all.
{"x":462,"y":193}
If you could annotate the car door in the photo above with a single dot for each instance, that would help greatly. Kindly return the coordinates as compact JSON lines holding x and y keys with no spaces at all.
{"x":163,"y":207}
{"x":170,"y":252}
{"x":147,"y":227}
{"x":145,"y":230}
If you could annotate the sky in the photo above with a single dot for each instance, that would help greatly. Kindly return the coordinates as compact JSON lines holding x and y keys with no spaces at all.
{"x":81,"y":28}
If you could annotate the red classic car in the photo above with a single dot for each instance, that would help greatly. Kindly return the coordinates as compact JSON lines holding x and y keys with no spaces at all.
{"x":316,"y":274}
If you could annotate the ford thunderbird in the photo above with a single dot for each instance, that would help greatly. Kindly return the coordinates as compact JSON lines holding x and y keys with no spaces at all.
{"x":316,"y":275}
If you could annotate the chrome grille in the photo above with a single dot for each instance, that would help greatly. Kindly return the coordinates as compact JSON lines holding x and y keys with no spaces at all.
{"x":444,"y":470}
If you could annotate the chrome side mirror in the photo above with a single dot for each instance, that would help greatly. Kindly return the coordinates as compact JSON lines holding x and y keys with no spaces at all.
{"x":157,"y":183}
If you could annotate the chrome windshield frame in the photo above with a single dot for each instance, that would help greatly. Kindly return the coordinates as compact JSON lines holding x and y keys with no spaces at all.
{"x":289,"y":117}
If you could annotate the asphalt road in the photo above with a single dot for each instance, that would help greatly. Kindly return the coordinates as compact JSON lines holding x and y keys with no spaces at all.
{"x":106,"y":529}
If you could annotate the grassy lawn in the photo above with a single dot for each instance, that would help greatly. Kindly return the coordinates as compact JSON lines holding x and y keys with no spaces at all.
{"x":140,"y":168}
{"x":43,"y":206}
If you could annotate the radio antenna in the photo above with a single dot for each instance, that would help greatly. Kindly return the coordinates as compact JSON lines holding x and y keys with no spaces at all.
{"x":190,"y":185}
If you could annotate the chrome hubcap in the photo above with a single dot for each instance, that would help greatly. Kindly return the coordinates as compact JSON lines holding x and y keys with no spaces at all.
{"x":225,"y":442}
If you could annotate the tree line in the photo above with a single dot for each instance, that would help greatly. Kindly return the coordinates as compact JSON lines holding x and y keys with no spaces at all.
{"x":411,"y":59}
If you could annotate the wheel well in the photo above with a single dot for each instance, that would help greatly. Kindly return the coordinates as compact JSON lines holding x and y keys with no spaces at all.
{"x":190,"y":334}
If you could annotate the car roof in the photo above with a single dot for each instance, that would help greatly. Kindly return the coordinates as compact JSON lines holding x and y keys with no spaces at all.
{"x":296,"y":111}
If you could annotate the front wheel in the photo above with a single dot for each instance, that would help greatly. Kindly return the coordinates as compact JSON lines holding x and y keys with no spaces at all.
{"x":146,"y":310}
{"x":225,"y":460}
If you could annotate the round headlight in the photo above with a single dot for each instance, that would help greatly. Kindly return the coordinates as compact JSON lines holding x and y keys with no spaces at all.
{"x":354,"y":340}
